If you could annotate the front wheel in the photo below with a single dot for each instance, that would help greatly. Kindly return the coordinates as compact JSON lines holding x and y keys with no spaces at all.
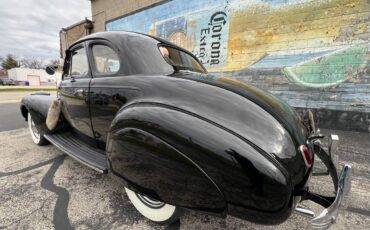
{"x":35,"y":135}
{"x":154,"y":210}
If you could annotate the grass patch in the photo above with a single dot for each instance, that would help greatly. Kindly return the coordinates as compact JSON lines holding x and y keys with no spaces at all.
{"x":17,"y":89}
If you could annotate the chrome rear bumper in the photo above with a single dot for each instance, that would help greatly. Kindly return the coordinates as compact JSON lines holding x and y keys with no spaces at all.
{"x":342,"y":184}
{"x":328,"y":216}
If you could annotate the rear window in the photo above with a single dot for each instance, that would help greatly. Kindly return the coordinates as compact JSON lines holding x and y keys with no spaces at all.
{"x":180,"y":59}
{"x":106,"y":59}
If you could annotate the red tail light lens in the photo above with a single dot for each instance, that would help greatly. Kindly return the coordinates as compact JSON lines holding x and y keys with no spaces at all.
{"x":306,"y":155}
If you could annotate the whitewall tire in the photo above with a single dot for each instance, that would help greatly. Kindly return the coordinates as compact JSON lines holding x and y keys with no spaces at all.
{"x":35,"y":135}
{"x":154,"y":210}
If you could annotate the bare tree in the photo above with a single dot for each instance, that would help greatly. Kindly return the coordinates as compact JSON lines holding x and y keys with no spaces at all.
{"x":54,"y":62}
{"x":32,"y":63}
{"x":57,"y":64}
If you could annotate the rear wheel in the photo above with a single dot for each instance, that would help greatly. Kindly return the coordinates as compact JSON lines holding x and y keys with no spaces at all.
{"x":154,"y":210}
{"x":35,"y":135}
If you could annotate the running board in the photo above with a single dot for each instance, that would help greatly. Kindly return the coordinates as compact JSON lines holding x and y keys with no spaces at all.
{"x":79,"y":150}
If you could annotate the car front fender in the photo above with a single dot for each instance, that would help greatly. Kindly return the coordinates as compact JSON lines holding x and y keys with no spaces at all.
{"x":38,"y":105}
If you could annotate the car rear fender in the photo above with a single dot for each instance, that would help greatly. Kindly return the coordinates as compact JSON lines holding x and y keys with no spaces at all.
{"x":149,"y":164}
{"x":175,"y":147}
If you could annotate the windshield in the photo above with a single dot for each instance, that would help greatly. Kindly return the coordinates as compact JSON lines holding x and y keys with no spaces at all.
{"x":180,"y":59}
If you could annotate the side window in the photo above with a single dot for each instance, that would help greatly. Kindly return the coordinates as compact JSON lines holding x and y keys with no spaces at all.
{"x":106,"y":59}
{"x":79,"y":66}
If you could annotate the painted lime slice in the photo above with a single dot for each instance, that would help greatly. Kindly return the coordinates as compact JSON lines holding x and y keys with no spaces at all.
{"x":330,"y":69}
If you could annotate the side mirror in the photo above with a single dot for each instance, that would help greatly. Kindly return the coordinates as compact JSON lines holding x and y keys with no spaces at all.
{"x":50,"y":69}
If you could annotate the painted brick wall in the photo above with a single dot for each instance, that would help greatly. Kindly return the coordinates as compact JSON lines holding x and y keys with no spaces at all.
{"x":106,"y":10}
{"x":313,"y":54}
{"x":71,"y":34}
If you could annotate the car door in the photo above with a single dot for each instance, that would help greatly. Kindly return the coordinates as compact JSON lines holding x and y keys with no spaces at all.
{"x":107,"y":93}
{"x":74,"y":89}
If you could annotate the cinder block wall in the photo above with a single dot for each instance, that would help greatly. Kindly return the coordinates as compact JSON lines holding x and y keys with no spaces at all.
{"x":313,"y":53}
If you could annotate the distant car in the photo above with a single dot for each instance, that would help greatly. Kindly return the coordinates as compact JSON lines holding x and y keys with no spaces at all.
{"x":178,"y":137}
{"x":7,"y":82}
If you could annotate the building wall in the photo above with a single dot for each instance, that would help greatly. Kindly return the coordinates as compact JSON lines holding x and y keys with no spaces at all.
{"x":34,"y":77}
{"x":71,"y":34}
{"x":312,"y":53}
{"x":3,"y":74}
{"x":106,"y":10}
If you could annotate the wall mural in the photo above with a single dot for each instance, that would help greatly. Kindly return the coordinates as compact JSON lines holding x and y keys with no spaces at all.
{"x":312,"y":53}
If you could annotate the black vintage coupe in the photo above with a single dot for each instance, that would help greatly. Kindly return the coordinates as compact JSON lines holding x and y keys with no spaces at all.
{"x":147,"y":111}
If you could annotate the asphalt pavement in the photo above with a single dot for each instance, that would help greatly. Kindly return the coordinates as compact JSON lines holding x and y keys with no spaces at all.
{"x":11,"y":117}
{"x":41,"y":188}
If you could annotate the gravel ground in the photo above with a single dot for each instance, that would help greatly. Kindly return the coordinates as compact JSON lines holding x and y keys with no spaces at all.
{"x":41,"y":188}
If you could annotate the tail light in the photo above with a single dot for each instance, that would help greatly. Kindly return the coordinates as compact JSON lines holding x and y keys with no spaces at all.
{"x":306,"y":155}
